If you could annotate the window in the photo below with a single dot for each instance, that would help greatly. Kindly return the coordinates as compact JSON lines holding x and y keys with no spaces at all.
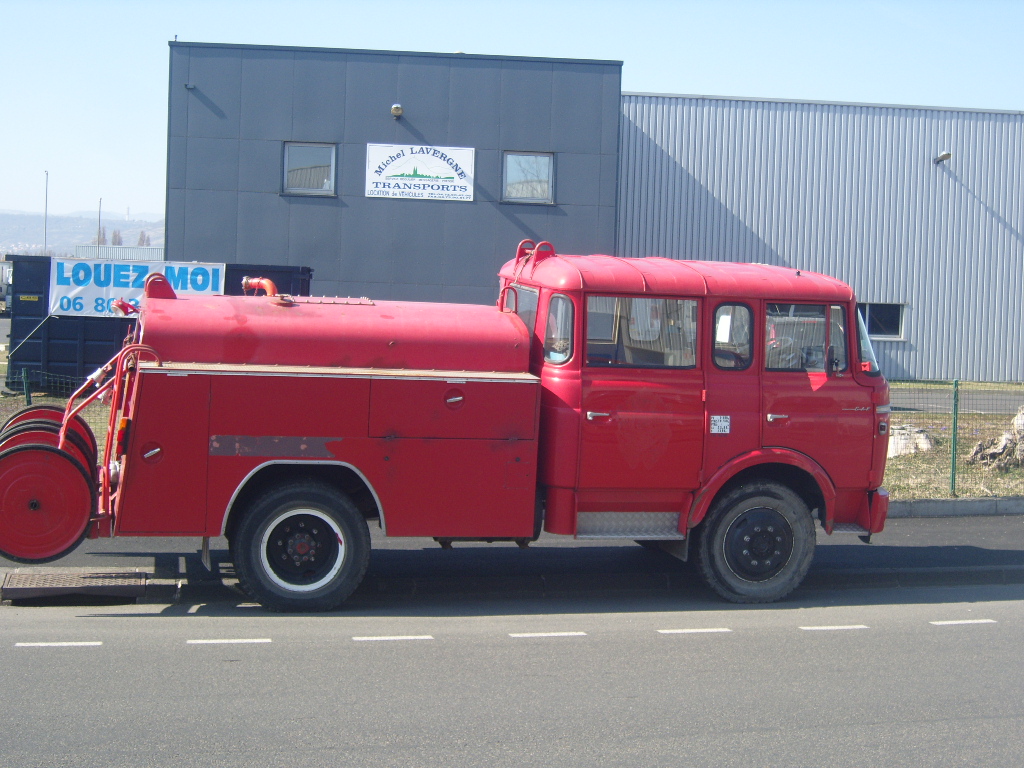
{"x":558,"y":336}
{"x":837,"y":340}
{"x":529,"y":177}
{"x":795,"y":337}
{"x":733,"y":343}
{"x":641,"y":333}
{"x":526,"y":305}
{"x":309,"y":168}
{"x":883,"y":321}
{"x":868,"y":361}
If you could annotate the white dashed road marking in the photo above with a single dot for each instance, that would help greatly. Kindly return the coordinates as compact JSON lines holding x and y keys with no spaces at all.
{"x":963,"y":621}
{"x":547,"y":634}
{"x":229,"y":642}
{"x":838,"y":626}
{"x":697,"y":631}
{"x":58,"y":645}
{"x":393,"y":637}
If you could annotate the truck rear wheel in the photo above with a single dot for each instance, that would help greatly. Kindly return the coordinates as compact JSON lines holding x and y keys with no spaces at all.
{"x":756,"y":543}
{"x":301,"y":547}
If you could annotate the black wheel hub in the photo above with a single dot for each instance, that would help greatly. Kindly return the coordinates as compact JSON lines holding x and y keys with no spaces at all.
{"x":301,"y":549}
{"x":758,"y":544}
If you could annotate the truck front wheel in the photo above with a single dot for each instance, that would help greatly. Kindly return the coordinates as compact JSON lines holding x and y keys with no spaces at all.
{"x":301,"y":547}
{"x":756,"y":543}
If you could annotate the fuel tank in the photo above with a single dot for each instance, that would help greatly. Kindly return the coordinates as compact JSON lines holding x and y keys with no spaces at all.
{"x":334,"y":332}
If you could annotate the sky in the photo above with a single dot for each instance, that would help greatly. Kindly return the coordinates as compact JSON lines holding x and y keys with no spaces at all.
{"x":84,"y":87}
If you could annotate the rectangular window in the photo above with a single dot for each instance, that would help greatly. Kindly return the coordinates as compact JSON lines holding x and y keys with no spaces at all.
{"x":529,"y":177}
{"x":641,"y":333}
{"x":309,"y":168}
{"x":733,"y":339}
{"x":795,"y":337}
{"x":883,"y":321}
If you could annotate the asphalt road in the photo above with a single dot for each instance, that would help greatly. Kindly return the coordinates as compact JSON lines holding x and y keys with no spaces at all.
{"x":563,"y":654}
{"x":500,"y":682}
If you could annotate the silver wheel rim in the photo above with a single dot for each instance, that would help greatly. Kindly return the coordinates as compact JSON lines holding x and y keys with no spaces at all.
{"x":290,"y":586}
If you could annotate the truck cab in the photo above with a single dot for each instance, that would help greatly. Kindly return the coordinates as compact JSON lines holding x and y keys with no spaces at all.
{"x":740,"y":402}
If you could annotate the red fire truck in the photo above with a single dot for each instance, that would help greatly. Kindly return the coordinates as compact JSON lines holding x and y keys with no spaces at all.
{"x":650,"y":399}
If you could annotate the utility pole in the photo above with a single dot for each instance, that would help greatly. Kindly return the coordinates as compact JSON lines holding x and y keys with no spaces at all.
{"x":46,"y":208}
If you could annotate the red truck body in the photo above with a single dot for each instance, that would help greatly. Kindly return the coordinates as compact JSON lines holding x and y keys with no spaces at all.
{"x":648,"y":399}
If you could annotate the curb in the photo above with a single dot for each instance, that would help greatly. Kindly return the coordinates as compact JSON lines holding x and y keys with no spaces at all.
{"x":1002,"y":506}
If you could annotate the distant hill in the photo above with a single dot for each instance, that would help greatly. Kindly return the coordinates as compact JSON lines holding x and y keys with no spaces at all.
{"x":23,"y":232}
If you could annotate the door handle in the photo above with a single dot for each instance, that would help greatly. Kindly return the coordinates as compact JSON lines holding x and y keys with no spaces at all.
{"x":777,"y":416}
{"x":591,"y":415}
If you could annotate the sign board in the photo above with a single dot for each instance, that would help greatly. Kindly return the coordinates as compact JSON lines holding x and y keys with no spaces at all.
{"x":88,"y":287}
{"x":419,"y":172}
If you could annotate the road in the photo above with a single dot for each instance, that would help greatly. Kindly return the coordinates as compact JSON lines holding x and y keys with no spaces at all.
{"x":558,"y":655}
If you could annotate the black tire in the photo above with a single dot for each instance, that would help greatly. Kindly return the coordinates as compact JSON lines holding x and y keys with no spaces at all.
{"x":756,"y":543}
{"x":278,"y":543}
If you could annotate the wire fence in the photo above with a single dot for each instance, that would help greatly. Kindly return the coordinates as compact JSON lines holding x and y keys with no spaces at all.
{"x":955,"y":439}
{"x":27,"y":388}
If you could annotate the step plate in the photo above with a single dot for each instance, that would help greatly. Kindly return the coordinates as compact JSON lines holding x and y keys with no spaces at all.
{"x":25,"y":586}
{"x":628,"y":525}
{"x":849,"y":528}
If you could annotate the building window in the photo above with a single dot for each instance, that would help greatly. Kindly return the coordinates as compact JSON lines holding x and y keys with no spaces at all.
{"x":529,"y":177}
{"x":309,"y":168}
{"x":883,"y":321}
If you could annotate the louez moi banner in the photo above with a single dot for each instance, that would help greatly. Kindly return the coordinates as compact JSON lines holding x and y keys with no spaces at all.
{"x":88,"y":287}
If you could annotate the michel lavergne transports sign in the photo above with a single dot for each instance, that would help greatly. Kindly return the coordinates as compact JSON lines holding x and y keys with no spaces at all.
{"x":88,"y":287}
{"x":421,"y":172}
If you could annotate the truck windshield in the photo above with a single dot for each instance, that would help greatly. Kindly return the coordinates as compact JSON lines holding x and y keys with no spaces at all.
{"x":867,"y":354}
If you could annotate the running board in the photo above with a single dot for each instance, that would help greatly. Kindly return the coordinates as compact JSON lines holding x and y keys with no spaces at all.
{"x":628,"y":525}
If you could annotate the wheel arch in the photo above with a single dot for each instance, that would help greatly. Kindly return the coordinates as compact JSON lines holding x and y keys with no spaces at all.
{"x":795,"y":470}
{"x":341,"y":475}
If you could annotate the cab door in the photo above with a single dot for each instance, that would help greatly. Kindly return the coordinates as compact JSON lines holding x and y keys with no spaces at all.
{"x":733,"y":379}
{"x":811,"y":402}
{"x":642,"y":413}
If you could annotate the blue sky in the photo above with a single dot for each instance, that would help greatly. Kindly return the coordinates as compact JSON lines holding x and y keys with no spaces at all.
{"x":84,"y":92}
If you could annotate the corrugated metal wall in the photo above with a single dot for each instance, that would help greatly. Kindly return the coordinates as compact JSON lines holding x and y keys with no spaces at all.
{"x":852,"y":191}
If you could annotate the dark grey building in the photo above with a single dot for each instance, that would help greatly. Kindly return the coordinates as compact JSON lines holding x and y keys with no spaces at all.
{"x":279,"y":155}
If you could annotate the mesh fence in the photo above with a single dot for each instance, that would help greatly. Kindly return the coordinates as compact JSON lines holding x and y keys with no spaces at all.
{"x":41,"y":388}
{"x":955,"y":439}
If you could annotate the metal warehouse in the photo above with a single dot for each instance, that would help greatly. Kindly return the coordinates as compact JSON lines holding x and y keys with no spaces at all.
{"x":412,"y":176}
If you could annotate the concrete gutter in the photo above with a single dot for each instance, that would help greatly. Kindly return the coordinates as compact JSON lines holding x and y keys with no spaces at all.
{"x":992,"y":507}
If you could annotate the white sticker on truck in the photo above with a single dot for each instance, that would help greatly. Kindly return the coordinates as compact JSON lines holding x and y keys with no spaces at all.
{"x":720,"y":425}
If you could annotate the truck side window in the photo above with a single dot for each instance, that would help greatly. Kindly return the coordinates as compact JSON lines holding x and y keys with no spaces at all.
{"x":733,"y":342}
{"x":837,"y":340}
{"x":558,"y":336}
{"x":526,"y":305}
{"x":641,"y":332}
{"x":795,"y":336}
